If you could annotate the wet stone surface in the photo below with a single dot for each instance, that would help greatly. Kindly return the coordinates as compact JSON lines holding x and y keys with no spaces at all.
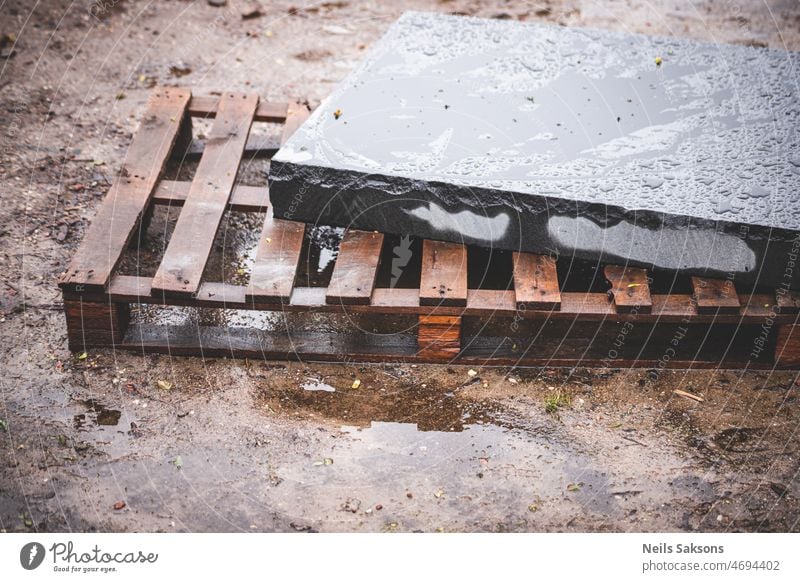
{"x":668,"y":153}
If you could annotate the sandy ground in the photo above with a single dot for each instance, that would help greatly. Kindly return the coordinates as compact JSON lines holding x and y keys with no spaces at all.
{"x":264,"y":446}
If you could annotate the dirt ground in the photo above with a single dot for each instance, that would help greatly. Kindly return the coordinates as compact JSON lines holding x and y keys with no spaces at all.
{"x":267,"y":446}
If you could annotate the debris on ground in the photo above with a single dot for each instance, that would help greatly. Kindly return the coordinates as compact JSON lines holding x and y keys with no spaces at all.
{"x":252,"y":10}
{"x":688,"y":395}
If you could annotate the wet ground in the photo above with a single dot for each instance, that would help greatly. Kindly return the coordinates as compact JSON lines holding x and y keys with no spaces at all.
{"x":186,"y":444}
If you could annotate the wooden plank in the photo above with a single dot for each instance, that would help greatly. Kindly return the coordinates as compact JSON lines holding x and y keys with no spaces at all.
{"x":258,"y":146}
{"x":444,"y":274}
{"x":355,"y":269}
{"x":243,"y":198}
{"x":267,"y":111}
{"x":277,"y":257}
{"x":296,"y":114}
{"x":480,"y":302}
{"x":629,"y":289}
{"x":280,"y":243}
{"x":682,"y":306}
{"x":550,"y":349}
{"x":715,"y":295}
{"x":491,"y":302}
{"x":185,"y":259}
{"x":536,"y":282}
{"x":580,"y":304}
{"x":396,"y":298}
{"x":121,"y":210}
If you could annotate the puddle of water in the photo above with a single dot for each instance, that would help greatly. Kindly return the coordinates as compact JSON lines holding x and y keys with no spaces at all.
{"x":96,"y":415}
{"x":428,"y":408}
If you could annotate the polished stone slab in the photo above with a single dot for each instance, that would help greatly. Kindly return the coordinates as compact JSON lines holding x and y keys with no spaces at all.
{"x":666,"y":153}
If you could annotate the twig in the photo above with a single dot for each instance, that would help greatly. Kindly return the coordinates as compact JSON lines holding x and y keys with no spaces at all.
{"x":689,"y":395}
{"x":640,"y":443}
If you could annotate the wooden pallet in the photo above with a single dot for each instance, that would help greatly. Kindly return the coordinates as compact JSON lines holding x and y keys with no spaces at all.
{"x":535,"y":321}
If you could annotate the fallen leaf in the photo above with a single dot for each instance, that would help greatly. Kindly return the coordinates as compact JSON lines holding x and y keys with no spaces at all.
{"x":356,"y":384}
{"x":178,"y":462}
{"x":164,"y":385}
{"x":631,"y":285}
{"x":119,"y":505}
{"x":328,"y":461}
{"x":472,"y":373}
{"x":3,"y":425}
{"x":439,"y":493}
{"x":83,"y":356}
{"x":658,"y":61}
{"x":533,"y":507}
{"x":574,"y":486}
{"x":616,"y":425}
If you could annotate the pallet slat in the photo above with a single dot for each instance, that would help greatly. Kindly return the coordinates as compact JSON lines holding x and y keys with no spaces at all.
{"x":243,"y":198}
{"x":536,"y":282}
{"x":355,"y":269}
{"x":122,"y":208}
{"x":267,"y":111}
{"x":630,"y":289}
{"x":715,"y":295}
{"x":443,"y":280}
{"x":185,"y":259}
{"x":280,"y":243}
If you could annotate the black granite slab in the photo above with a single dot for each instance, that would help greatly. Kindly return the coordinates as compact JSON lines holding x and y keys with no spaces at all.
{"x":666,"y":153}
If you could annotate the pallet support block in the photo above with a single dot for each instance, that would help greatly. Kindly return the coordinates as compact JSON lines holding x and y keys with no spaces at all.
{"x":439,"y":337}
{"x":94,"y":324}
